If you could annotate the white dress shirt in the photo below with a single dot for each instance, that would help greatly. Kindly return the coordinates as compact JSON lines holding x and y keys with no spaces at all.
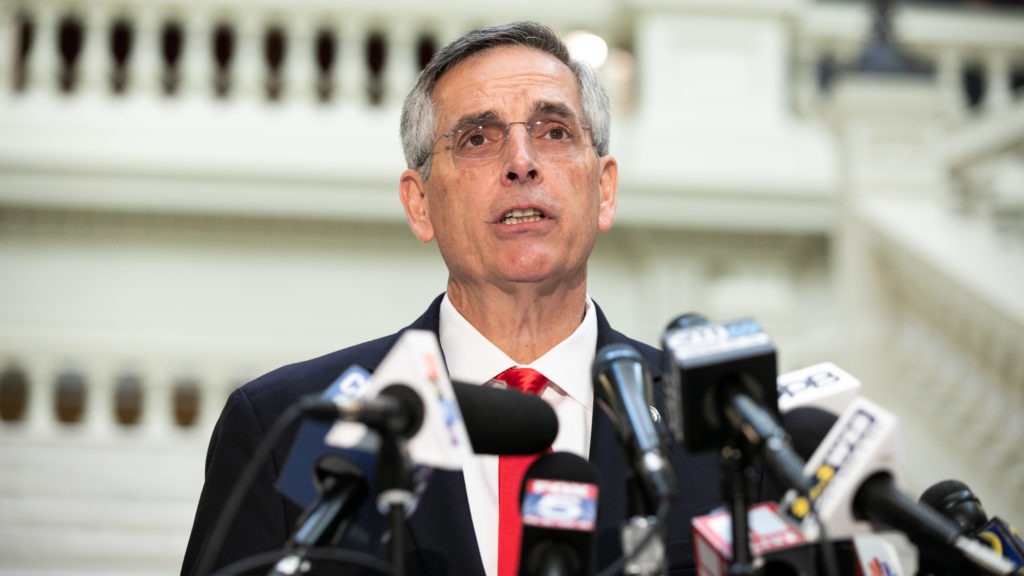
{"x":473,"y":358}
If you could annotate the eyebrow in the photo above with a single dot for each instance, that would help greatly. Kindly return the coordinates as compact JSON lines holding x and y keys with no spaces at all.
{"x":553,"y":108}
{"x":474,"y":119}
{"x":540,"y":108}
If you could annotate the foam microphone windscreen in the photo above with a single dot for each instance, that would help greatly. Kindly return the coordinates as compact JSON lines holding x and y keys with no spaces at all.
{"x":807,"y":427}
{"x":527,"y":424}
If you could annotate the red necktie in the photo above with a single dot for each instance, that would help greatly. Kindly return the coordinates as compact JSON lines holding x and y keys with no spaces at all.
{"x":510,"y":476}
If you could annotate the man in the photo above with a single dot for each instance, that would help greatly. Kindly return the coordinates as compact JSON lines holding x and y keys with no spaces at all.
{"x":506,"y":139}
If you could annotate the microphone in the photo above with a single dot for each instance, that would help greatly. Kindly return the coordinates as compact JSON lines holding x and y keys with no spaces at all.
{"x":415,"y":363}
{"x":824,"y":385}
{"x":854,"y":488}
{"x":558,"y":499}
{"x":295,"y":481}
{"x":726,"y":383}
{"x":528,"y":424}
{"x":332,"y":484}
{"x":623,"y":386}
{"x":397,"y":409}
{"x":954,"y":500}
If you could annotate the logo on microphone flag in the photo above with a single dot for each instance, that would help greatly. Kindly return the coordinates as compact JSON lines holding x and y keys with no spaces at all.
{"x":560,"y":504}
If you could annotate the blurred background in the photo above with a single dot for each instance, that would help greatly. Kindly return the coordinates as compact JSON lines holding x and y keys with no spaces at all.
{"x":194,"y":192}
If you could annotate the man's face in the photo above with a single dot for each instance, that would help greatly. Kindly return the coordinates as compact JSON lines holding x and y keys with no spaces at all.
{"x":466,"y":202}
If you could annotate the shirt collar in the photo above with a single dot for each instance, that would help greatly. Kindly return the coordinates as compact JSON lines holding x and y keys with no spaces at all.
{"x":473,"y":358}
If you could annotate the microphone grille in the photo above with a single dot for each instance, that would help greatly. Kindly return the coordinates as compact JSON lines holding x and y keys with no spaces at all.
{"x":957,"y":502}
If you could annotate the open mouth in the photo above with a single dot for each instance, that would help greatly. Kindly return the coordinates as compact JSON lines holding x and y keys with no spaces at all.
{"x":518,"y":216}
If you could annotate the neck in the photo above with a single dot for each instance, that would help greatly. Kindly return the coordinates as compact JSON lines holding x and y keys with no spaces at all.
{"x":523,"y":322}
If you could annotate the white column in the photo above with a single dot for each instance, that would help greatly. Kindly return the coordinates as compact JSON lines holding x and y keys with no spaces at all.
{"x":805,"y":83}
{"x":299,"y":67}
{"x":248,"y":66}
{"x":351,"y":65}
{"x":950,"y":71}
{"x":43,"y":63}
{"x":40,"y":417}
{"x":998,"y":94}
{"x":157,"y":405}
{"x":145,"y":65}
{"x":8,"y":49}
{"x":94,"y":60}
{"x":99,"y":418}
{"x":196,"y":67}
{"x":400,"y":65}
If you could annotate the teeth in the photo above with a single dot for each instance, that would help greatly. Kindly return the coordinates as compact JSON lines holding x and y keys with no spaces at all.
{"x":519,"y":216}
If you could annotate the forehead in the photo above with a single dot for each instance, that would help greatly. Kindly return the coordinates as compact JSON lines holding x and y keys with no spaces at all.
{"x":506,"y":80}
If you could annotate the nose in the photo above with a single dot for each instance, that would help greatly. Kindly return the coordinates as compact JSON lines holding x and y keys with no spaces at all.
{"x":519,"y":156}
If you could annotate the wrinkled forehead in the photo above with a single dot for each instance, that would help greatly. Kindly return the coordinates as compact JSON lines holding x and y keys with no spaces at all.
{"x":505,"y":82}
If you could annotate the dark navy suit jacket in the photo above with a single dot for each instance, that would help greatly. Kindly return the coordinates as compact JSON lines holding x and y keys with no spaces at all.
{"x":440,"y":538}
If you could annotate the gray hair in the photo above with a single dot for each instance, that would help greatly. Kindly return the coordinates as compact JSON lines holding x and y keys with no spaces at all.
{"x":419,"y":117}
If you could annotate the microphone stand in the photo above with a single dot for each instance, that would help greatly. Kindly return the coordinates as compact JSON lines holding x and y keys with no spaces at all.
{"x":343,"y":490}
{"x":738,"y":475}
{"x":643,"y":529}
{"x":394,"y":492}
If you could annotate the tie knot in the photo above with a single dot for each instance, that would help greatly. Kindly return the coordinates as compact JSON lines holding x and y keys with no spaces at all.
{"x":524,"y":379}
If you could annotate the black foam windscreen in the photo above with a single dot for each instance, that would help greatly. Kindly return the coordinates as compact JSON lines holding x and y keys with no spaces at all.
{"x":958,"y":503}
{"x":502,"y":421}
{"x":807,"y":427}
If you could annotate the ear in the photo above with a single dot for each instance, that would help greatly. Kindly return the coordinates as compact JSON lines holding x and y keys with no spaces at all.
{"x":412,"y":193}
{"x":609,"y":193}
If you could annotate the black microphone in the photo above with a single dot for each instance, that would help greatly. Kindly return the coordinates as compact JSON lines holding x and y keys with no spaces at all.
{"x":954,"y":500}
{"x":807,"y":427}
{"x":726,"y":380}
{"x":623,"y":386}
{"x":397,"y":409}
{"x":558,"y":499}
{"x":528,"y":424}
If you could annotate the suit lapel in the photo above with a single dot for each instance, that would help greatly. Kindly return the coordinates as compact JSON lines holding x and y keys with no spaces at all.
{"x":441,"y":529}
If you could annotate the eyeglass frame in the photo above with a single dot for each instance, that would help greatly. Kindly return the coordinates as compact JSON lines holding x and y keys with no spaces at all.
{"x":546,"y":114}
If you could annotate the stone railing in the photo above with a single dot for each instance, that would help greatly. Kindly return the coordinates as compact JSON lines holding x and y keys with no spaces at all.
{"x":976,"y":54}
{"x":339,"y":53}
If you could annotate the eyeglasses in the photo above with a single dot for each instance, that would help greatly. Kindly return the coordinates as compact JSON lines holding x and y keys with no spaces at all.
{"x":549,"y":136}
